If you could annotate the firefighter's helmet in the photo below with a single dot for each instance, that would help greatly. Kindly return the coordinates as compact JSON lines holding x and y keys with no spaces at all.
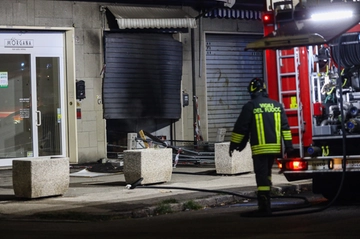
{"x":256,"y":85}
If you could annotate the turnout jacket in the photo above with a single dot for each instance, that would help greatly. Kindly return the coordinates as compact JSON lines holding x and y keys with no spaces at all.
{"x":264,"y":121}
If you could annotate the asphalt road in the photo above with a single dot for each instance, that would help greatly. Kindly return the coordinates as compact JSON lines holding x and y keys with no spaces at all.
{"x":338,"y":221}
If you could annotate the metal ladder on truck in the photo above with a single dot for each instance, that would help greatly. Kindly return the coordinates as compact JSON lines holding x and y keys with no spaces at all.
{"x":288,"y":80}
{"x":289,"y":93}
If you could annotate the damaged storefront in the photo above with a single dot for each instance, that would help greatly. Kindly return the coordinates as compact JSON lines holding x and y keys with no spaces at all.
{"x":142,"y":80}
{"x":106,"y":73}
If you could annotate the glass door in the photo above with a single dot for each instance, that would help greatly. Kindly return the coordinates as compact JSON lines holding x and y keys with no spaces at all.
{"x":16,"y":127}
{"x":21,"y":136}
{"x":48,"y":112}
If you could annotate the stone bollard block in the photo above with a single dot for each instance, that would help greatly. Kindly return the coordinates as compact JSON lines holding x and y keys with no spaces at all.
{"x":40,"y":177}
{"x":240,"y":162}
{"x":153,"y":165}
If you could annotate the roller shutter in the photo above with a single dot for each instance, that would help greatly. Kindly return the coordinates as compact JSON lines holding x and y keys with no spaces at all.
{"x":143,"y":76}
{"x":228,"y":70}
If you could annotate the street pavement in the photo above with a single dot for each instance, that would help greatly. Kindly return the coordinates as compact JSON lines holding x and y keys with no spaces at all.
{"x":104,"y":194}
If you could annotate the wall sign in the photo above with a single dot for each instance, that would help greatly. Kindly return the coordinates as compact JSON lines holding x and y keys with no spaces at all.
{"x":4,"y":80}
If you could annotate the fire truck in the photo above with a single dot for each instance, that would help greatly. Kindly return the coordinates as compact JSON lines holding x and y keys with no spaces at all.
{"x":313,"y":68}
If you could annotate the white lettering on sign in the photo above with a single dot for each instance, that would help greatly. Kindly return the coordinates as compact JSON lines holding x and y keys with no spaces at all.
{"x":26,"y":43}
{"x":26,"y":100}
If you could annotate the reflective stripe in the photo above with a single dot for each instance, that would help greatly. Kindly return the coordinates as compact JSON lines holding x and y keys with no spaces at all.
{"x":287,"y":135}
{"x":236,"y":138}
{"x":260,"y":128}
{"x":266,"y":149}
{"x":264,"y":188}
{"x":277,"y":120}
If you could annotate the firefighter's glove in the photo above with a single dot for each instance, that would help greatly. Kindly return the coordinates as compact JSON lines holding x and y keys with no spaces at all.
{"x":233,"y":146}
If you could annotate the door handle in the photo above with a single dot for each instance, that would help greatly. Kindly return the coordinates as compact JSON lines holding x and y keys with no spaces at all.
{"x":38,"y":120}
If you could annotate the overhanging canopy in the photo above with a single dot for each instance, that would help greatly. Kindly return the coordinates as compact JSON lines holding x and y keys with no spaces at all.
{"x":306,"y":32}
{"x":129,"y":17}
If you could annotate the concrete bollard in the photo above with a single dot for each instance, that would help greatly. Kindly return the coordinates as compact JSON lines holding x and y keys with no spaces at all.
{"x":240,"y":162}
{"x":40,"y":177}
{"x":153,"y":165}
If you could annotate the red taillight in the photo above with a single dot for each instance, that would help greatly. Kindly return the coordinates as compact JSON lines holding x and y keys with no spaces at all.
{"x":296,"y":165}
{"x":268,"y":18}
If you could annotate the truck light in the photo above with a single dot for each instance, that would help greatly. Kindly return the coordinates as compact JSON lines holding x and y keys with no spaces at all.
{"x":296,"y":165}
{"x":268,"y":18}
{"x":326,"y":16}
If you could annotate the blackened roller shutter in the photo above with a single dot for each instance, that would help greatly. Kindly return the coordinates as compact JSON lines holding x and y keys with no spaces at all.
{"x":143,"y":76}
{"x":229,"y":68}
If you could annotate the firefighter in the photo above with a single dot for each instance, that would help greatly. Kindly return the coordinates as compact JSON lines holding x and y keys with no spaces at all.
{"x":263,"y":121}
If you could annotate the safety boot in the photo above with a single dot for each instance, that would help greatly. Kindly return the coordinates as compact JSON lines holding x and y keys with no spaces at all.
{"x":264,"y":204}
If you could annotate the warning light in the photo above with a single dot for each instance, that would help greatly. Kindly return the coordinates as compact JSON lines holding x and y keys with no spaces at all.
{"x":268,"y":18}
{"x":296,"y":165}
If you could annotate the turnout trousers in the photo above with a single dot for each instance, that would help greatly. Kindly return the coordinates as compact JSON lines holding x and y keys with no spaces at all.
{"x":262,"y":167}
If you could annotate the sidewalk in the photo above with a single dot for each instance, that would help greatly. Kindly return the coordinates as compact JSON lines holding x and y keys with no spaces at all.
{"x":107,"y":196}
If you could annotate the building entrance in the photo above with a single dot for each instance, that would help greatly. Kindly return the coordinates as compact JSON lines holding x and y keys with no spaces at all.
{"x":32,"y":115}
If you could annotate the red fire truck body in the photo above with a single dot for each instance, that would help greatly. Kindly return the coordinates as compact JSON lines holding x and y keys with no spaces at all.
{"x":319,"y":86}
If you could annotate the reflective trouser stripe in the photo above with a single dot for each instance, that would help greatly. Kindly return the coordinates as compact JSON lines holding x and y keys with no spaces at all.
{"x":263,"y":188}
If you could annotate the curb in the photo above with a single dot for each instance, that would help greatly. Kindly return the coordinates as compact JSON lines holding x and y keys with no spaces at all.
{"x":216,"y":201}
{"x":160,"y":208}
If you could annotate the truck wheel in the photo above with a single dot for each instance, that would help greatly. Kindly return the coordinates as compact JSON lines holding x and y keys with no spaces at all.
{"x":327,"y":185}
{"x":329,"y":195}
